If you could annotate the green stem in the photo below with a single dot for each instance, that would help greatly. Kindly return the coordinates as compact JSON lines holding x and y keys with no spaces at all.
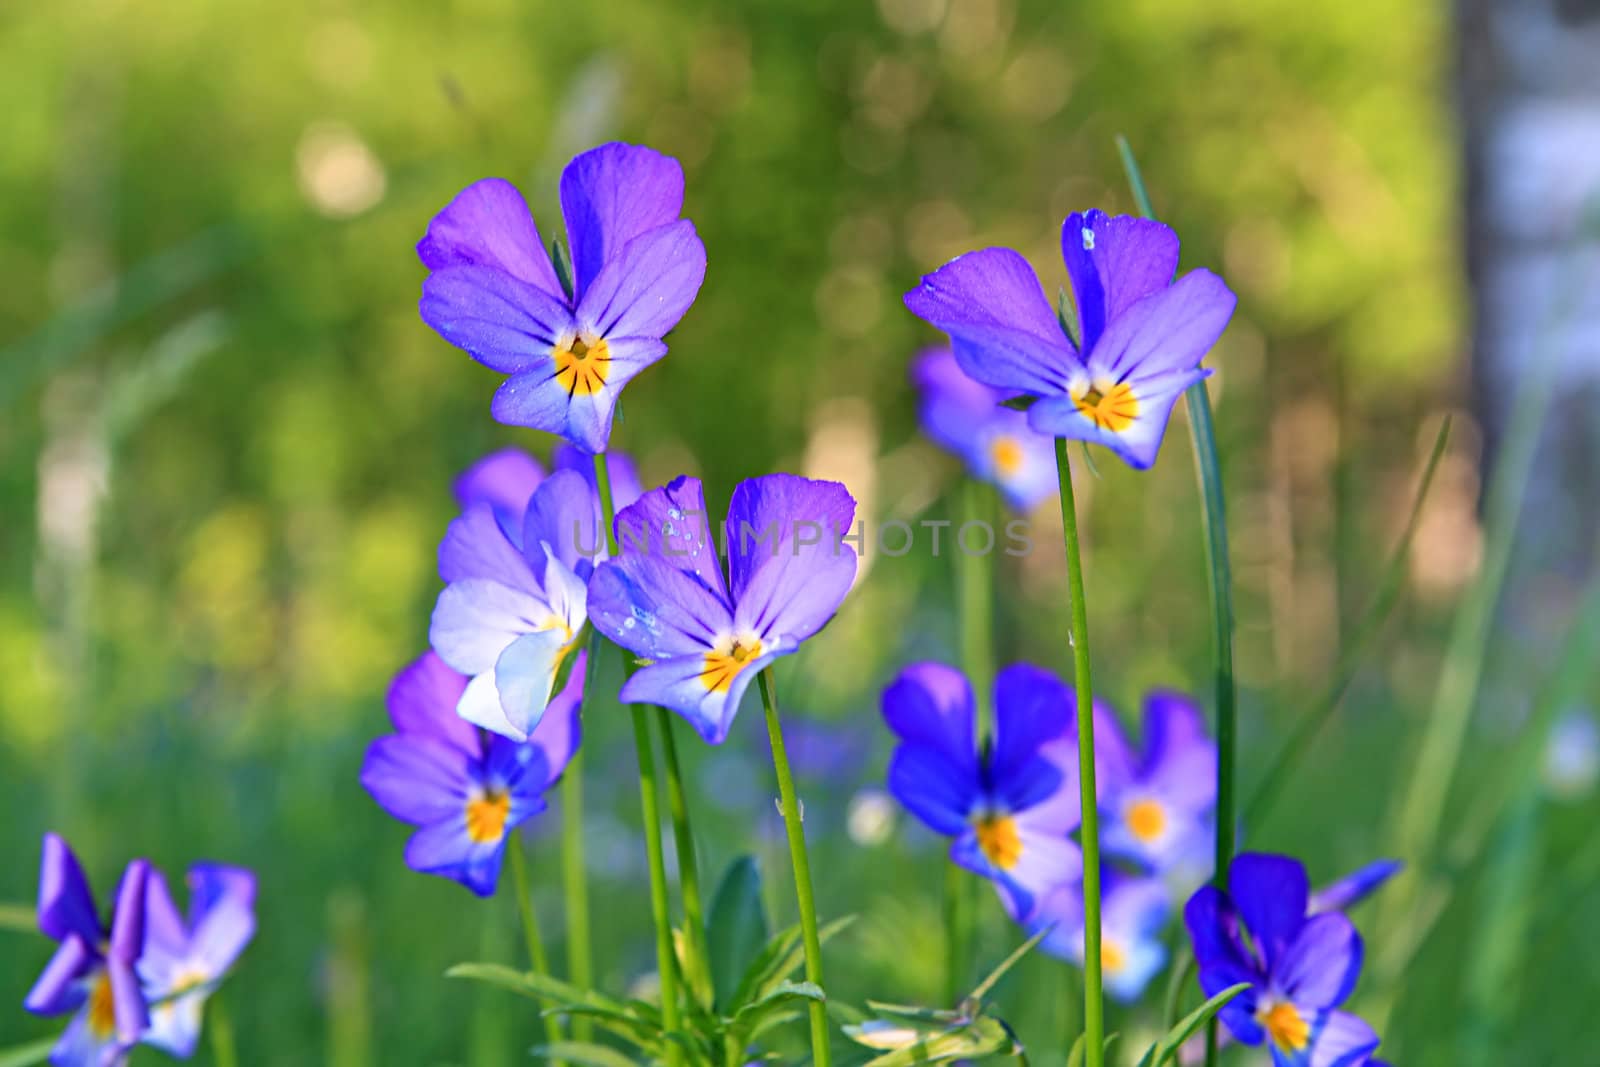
{"x":793,"y":820}
{"x":1220,"y":578}
{"x":697,"y":955}
{"x":650,"y":806}
{"x":957,"y":931}
{"x":530,"y":925}
{"x":574,"y":869}
{"x":224,"y":1050}
{"x":1078,"y":636}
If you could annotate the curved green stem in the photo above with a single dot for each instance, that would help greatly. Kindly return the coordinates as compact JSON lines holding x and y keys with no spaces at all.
{"x":696,"y":955}
{"x":530,"y":926}
{"x":574,"y":868}
{"x":793,"y":825}
{"x":650,"y":807}
{"x":1078,"y":637}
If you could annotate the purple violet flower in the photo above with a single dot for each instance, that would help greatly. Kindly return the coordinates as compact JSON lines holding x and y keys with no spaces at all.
{"x":1300,"y":967}
{"x":998,"y":446}
{"x":1353,"y":888}
{"x":184,"y":961}
{"x":666,"y":599}
{"x":93,"y":971}
{"x":1143,"y":335}
{"x":1009,"y":808}
{"x":1156,"y":804}
{"x":1133,"y":913}
{"x":493,"y":291}
{"x":464,"y":791}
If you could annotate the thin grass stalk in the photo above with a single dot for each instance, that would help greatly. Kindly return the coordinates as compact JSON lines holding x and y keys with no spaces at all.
{"x":1078,"y":637}
{"x":537,"y":958}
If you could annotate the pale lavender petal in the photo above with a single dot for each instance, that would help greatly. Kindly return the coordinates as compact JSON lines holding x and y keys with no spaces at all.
{"x":506,"y":325}
{"x":222,"y":906}
{"x":1319,"y":968}
{"x":564,"y":516}
{"x":1180,"y":761}
{"x":678,"y":684}
{"x":504,"y":480}
{"x":127,"y":999}
{"x":648,"y":286}
{"x":1339,"y":1039}
{"x":1167,"y":331}
{"x":612,"y":194}
{"x":537,"y":398}
{"x":59,"y":988}
{"x":561,"y":729}
{"x":416,"y":779}
{"x":489,"y":224}
{"x":475,"y":546}
{"x":474,"y":620}
{"x":525,"y":674}
{"x":1000,"y":323}
{"x":1114,"y":261}
{"x":480,"y":706}
{"x":1137,"y":444}
{"x":673,"y":526}
{"x":789,"y":566}
{"x":165,"y":931}
{"x":655,"y":610}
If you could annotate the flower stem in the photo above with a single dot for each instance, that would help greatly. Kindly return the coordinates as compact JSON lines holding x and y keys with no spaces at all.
{"x":650,"y":805}
{"x":793,"y":824}
{"x":530,"y":925}
{"x":1093,"y":1003}
{"x":697,"y":955}
{"x":574,"y":869}
{"x":224,"y":1053}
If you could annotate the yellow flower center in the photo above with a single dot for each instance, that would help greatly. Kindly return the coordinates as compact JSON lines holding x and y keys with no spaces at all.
{"x":1007,"y":455}
{"x":1109,"y":405}
{"x":582,"y":365}
{"x":486,"y":816}
{"x":1146,"y":819}
{"x":102,"y":1007}
{"x":998,"y":837}
{"x":1285,"y":1025}
{"x":1112,"y":958}
{"x":724,"y":662}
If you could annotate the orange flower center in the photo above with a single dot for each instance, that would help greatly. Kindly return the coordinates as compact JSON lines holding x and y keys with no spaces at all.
{"x":724,"y":662}
{"x":999,"y":840}
{"x":1285,"y":1025}
{"x":582,"y":366}
{"x":1007,"y":455}
{"x":1109,"y":405}
{"x":1146,"y":819}
{"x":102,"y":1007}
{"x":486,"y":816}
{"x":1112,"y":958}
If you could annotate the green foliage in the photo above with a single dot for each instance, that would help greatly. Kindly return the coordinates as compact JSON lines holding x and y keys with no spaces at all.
{"x":1165,"y":1049}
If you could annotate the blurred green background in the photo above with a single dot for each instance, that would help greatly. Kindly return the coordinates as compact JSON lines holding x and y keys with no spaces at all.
{"x":226,"y":441}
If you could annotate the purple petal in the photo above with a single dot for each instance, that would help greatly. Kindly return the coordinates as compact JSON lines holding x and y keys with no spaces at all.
{"x":66,"y":904}
{"x":446,"y":850}
{"x":1002,"y":327}
{"x":476,"y":546}
{"x":423,"y":699}
{"x":1339,"y":1039}
{"x":175,"y":1025}
{"x":1044,"y":861}
{"x":789,"y":567}
{"x":480,"y":706}
{"x":564,"y":516}
{"x":416,"y":779}
{"x":59,"y":988}
{"x":504,"y":480}
{"x":678,"y":684}
{"x":80,"y":1046}
{"x":506,"y":325}
{"x":612,"y":194}
{"x":1353,"y":887}
{"x":672,"y":524}
{"x":537,"y":398}
{"x":525,"y":674}
{"x":931,"y":785}
{"x":930,"y":704}
{"x":1320,"y":966}
{"x":1163,"y":333}
{"x":489,"y":224}
{"x":655,"y":610}
{"x":165,"y":931}
{"x":127,"y":916}
{"x":645,"y":290}
{"x":1113,"y":261}
{"x":1213,"y":927}
{"x":1116,"y":765}
{"x":127,"y":1000}
{"x":1180,"y":761}
{"x":222,"y":935}
{"x":1137,"y":444}
{"x":1270,"y":893}
{"x":1032,"y":707}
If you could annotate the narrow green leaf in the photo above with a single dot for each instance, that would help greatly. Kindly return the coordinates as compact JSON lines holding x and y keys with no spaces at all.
{"x":1067,"y":316}
{"x":582,"y":1054}
{"x":538,"y":986}
{"x":561,"y":259}
{"x":1075,"y":1057}
{"x":981,"y":1037}
{"x":1188,"y":1026}
{"x":736,"y":929}
{"x":983,"y":987}
{"x":782,"y":955}
{"x":29,"y":1054}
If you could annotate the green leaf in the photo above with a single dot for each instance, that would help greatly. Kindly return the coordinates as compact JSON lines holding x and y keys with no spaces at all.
{"x":624,"y":1020}
{"x":983,"y":987}
{"x":564,"y":668}
{"x":735,"y":930}
{"x":561,"y":259}
{"x":1066,"y":315}
{"x":980,"y":1037}
{"x":1186,"y":1028}
{"x":29,"y":1054}
{"x":1075,"y":1057}
{"x":780,"y":958}
{"x":582,"y":1054}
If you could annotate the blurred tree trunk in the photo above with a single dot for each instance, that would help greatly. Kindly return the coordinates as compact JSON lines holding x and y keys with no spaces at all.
{"x":1529,"y":83}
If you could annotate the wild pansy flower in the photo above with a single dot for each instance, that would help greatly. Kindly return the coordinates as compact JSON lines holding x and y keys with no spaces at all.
{"x":184,"y":960}
{"x":1142,"y":334}
{"x":636,"y":267}
{"x":665,"y":597}
{"x":1010,"y":807}
{"x":996,"y":443}
{"x":93,"y":972}
{"x":464,"y":791}
{"x":1300,"y":967}
{"x":514,"y":602}
{"x":1133,"y":913}
{"x":1156,"y":804}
